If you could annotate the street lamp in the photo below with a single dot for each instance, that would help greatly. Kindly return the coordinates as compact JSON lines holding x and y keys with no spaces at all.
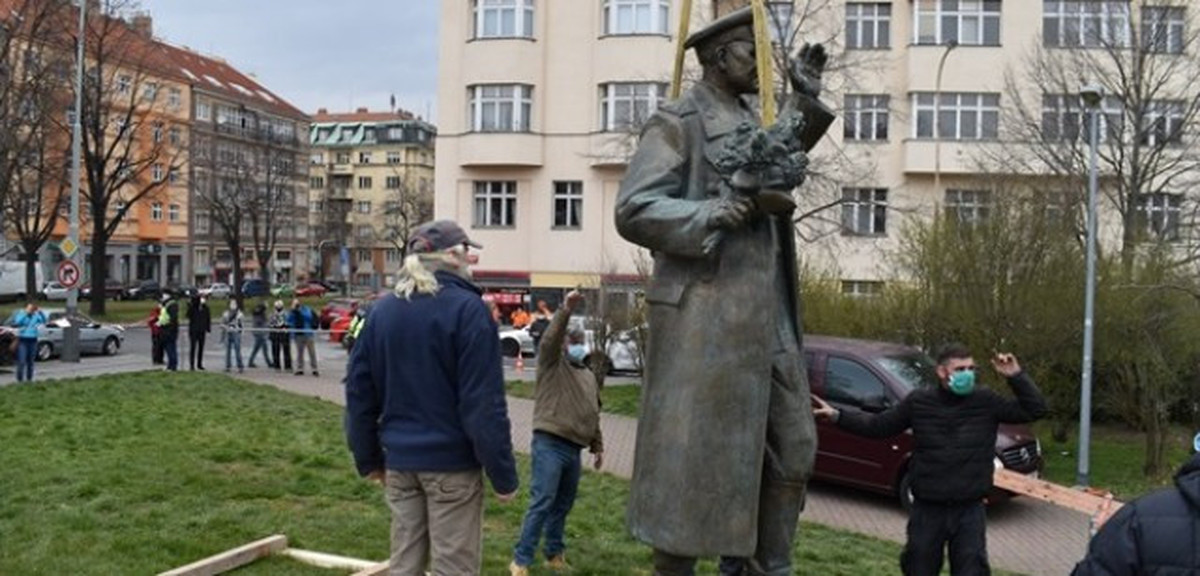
{"x":950,"y":45}
{"x":70,"y":351}
{"x":1092,"y":95}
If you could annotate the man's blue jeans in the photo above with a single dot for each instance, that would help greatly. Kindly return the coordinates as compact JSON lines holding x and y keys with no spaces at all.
{"x":26,"y":355}
{"x":233,"y":345}
{"x":552,"y":492}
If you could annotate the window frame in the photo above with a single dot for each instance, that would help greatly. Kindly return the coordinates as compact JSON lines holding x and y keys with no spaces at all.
{"x":861,"y":107}
{"x":969,"y":207}
{"x":860,"y":20}
{"x":522,"y":15}
{"x":1159,"y":215}
{"x":864,"y":204}
{"x":568,"y":203}
{"x":519,"y":100}
{"x":1060,"y":22}
{"x":658,"y":18}
{"x":611,"y":99}
{"x":494,"y":204}
{"x":982,"y":111}
{"x":941,"y":15}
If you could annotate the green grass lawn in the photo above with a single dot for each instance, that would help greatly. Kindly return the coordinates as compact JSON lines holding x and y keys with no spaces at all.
{"x":1116,"y":456}
{"x":140,"y":473}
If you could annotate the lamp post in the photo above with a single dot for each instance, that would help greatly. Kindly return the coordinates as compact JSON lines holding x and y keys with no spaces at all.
{"x":950,"y":45}
{"x":70,"y":351}
{"x":1092,"y":95}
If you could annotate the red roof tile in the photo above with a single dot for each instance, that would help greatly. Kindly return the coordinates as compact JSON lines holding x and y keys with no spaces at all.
{"x":361,"y":115}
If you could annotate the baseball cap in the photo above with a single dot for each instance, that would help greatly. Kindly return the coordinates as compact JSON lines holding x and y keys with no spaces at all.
{"x":437,"y":236}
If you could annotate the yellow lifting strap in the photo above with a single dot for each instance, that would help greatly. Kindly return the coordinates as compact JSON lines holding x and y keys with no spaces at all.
{"x":762,"y":50}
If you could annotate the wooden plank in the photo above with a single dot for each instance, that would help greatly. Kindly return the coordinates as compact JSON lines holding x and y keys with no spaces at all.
{"x":377,"y":570}
{"x":231,"y":559}
{"x":1088,"y":502}
{"x":330,"y":561}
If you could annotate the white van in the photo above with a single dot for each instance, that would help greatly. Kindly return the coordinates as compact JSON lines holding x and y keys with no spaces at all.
{"x":12,"y":280}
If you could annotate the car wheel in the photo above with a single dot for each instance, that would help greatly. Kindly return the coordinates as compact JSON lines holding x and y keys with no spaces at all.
{"x":904,"y":490}
{"x":111,"y":346}
{"x":44,"y":351}
{"x":510,"y":348}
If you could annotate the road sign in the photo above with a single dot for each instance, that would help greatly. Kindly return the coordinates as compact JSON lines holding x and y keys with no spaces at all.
{"x":68,"y":273}
{"x":68,"y":247}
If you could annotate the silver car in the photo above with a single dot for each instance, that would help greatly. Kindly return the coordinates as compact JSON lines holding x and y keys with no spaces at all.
{"x":514,"y":341}
{"x":94,"y":337}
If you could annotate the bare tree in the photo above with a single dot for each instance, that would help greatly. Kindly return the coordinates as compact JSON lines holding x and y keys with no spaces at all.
{"x":122,"y":163}
{"x":227,"y":191}
{"x":267,"y":189}
{"x":1146,"y":61}
{"x":407,"y":205}
{"x":32,"y":151}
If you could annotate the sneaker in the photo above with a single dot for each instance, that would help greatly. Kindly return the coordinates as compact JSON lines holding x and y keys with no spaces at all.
{"x":315,"y":373}
{"x":558,"y":563}
{"x":515,"y":569}
{"x":298,"y":373}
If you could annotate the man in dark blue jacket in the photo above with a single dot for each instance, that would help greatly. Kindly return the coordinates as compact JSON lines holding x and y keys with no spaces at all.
{"x":425,"y":406}
{"x":1155,"y":534}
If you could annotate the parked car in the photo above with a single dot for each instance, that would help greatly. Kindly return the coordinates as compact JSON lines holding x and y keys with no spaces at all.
{"x":94,"y":337}
{"x":143,"y":290}
{"x":113,"y":290}
{"x":255,"y":288}
{"x":871,"y":376}
{"x":339,"y":327}
{"x":183,"y":291}
{"x":514,"y":341}
{"x":282,"y":291}
{"x":8,"y":336}
{"x":336,"y":308}
{"x":216,"y":291}
{"x":311,"y":289}
{"x":621,"y":351}
{"x":54,"y":291}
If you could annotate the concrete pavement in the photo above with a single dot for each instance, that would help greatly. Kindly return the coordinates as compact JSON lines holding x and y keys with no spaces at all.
{"x":1023,"y":535}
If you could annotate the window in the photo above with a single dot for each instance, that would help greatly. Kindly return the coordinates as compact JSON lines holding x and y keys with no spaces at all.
{"x":316,"y":206}
{"x":174,"y":135}
{"x":1064,"y":117}
{"x":868,"y":25}
{"x":1158,"y":214}
{"x":201,"y":256}
{"x":173,"y":175}
{"x":503,"y":18}
{"x":316,"y":158}
{"x":392,"y":183}
{"x":968,"y":206}
{"x":364,"y":207}
{"x":866,"y":117}
{"x":364,"y":182}
{"x":394,"y":157}
{"x":967,"y":22}
{"x":848,"y":382}
{"x":956,"y":116}
{"x":150,"y":91}
{"x":636,"y":16}
{"x":368,"y":135}
{"x":316,"y":182}
{"x":203,"y":110}
{"x":174,"y":98}
{"x":156,"y":212}
{"x":395,"y":133}
{"x":343,"y":158}
{"x":173,"y":213}
{"x":124,"y":84}
{"x":365,"y":232}
{"x":1085,"y":23}
{"x":495,"y":203}
{"x":861,"y":288}
{"x":283,"y":255}
{"x":203,"y":223}
{"x":1162,"y":29}
{"x":501,"y":107}
{"x":864,"y":211}
{"x":1164,"y":123}
{"x":156,"y":172}
{"x":629,"y":105}
{"x":156,"y":132}
{"x":364,"y":157}
{"x":392,"y":255}
{"x":568,"y":204}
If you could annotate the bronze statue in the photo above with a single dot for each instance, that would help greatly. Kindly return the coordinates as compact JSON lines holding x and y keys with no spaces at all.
{"x":726,"y":438}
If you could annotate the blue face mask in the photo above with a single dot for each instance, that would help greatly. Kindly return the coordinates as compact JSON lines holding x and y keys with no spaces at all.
{"x":575,"y":352}
{"x":962,"y":382}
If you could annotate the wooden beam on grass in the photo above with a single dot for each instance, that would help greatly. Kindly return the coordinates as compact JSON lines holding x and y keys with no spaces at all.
{"x":231,"y":559}
{"x":377,"y":570}
{"x":1097,"y":504}
{"x":328,"y":561}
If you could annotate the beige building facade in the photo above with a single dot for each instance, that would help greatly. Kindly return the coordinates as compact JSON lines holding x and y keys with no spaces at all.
{"x":538,"y":102}
{"x":371,"y":182}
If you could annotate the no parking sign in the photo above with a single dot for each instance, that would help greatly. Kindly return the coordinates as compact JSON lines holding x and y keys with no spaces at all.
{"x":68,"y":273}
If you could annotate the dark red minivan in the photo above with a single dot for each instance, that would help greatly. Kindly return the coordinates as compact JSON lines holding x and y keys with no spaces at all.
{"x":871,"y":376}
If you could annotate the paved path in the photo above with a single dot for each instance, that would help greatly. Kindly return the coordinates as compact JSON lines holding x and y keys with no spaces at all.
{"x":1023,"y":535}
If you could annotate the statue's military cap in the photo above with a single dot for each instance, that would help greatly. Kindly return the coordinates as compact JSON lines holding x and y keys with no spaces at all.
{"x":718,"y":28}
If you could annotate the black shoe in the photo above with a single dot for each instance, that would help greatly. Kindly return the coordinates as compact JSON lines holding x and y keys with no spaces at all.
{"x":298,"y":373}
{"x":315,"y":373}
{"x":252,"y":366}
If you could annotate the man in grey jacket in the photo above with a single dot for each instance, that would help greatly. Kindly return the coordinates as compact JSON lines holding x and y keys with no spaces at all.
{"x":566,"y":419}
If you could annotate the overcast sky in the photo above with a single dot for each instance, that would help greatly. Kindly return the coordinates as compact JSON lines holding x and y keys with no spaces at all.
{"x":338,"y":55}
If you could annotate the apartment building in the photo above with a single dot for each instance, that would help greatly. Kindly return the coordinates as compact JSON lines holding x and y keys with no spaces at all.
{"x":247,"y":147}
{"x":537,"y":100}
{"x":370,"y":182}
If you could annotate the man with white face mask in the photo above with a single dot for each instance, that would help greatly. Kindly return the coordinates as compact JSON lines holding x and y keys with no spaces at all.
{"x":566,"y":419}
{"x":954,"y":428}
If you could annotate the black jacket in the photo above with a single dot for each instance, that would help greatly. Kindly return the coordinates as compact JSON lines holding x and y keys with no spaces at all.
{"x":1156,"y":535}
{"x":199,"y":318}
{"x":954,"y":436}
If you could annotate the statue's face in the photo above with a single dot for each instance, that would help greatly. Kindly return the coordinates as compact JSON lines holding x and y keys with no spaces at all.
{"x":740,"y":66}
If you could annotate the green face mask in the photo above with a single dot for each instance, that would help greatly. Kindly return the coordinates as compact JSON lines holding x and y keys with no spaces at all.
{"x":962,"y":382}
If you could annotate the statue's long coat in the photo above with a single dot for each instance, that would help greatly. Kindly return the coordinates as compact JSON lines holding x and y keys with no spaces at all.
{"x":713,"y":329}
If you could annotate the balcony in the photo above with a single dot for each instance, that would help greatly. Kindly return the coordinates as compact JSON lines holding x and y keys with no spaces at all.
{"x":345,"y":169}
{"x":524,"y":149}
{"x":258,"y":134}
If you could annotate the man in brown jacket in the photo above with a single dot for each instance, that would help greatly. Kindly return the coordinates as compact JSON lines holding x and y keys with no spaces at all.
{"x":566,"y":419}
